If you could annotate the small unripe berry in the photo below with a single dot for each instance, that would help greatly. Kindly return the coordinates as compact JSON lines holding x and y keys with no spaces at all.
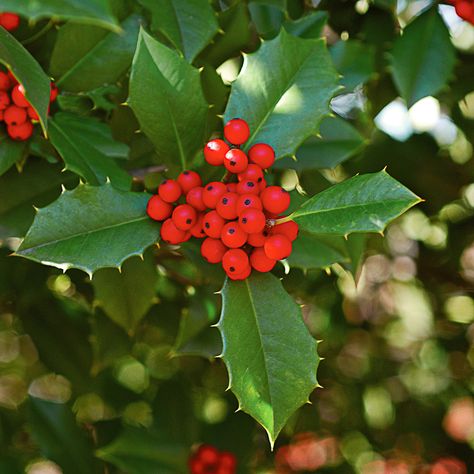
{"x":236,"y":161}
{"x":189,"y":180}
{"x":252,"y":220}
{"x":18,"y":96}
{"x":9,"y":21}
{"x":248,"y":201}
{"x":233,"y":235}
{"x":5,"y":83}
{"x":213,"y":224}
{"x":275,"y":199}
{"x":262,"y":155}
{"x":171,"y":234}
{"x":213,"y":250}
{"x":289,"y":229}
{"x":14,"y":115}
{"x":228,"y":461}
{"x":184,"y":216}
{"x":248,"y":187}
{"x":214,"y":152}
{"x":158,"y":209}
{"x":252,"y":173}
{"x":212,"y":193}
{"x":20,"y":132}
{"x":277,"y":247}
{"x":258,"y":239}
{"x":260,"y":261}
{"x":227,"y":206}
{"x":194,"y":198}
{"x":236,"y":131}
{"x":169,"y":190}
{"x":235,"y":261}
{"x":4,"y":100}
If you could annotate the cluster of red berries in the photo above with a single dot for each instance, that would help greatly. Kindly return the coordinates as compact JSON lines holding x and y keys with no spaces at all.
{"x":9,"y":21}
{"x":208,"y":460}
{"x":15,"y":110}
{"x":236,"y":217}
{"x":464,"y":9}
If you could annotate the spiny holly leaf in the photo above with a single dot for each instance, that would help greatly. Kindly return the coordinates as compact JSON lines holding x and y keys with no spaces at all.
{"x":268,"y":351}
{"x":283,"y":91}
{"x":127,"y":295}
{"x":89,"y":228}
{"x":365,"y":203}
{"x":11,"y":152}
{"x":423,"y":57}
{"x":28,"y":72}
{"x":308,"y":26}
{"x":96,"y":12}
{"x":189,"y":25}
{"x":87,"y":148}
{"x":86,"y":57}
{"x":167,"y":98}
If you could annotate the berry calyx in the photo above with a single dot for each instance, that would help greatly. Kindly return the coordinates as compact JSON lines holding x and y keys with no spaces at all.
{"x":233,"y":236}
{"x":212,"y":193}
{"x":213,"y":224}
{"x":213,"y":250}
{"x":214,"y":152}
{"x":158,"y":209}
{"x":189,"y":180}
{"x":184,"y":217}
{"x":252,"y":220}
{"x":275,"y":199}
{"x":277,"y":247}
{"x":236,"y":131}
{"x":169,"y":190}
{"x":235,"y":261}
{"x":236,"y":161}
{"x":262,"y":155}
{"x":260,"y":261}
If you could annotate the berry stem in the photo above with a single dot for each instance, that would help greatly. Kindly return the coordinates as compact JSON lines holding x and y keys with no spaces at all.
{"x":281,"y":220}
{"x":226,"y":178}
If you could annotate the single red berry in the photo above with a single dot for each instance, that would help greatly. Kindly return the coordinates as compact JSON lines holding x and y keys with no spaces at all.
{"x":277,"y":247}
{"x":32,"y":114}
{"x":9,"y":21}
{"x":18,"y":96}
{"x":20,"y":132}
{"x":252,"y":173}
{"x":194,"y":198}
{"x":184,"y":216}
{"x":233,"y":235}
{"x":236,"y":161}
{"x":262,"y":155}
{"x":189,"y":180}
{"x":289,"y":229}
{"x":196,"y":466}
{"x":53,"y":92}
{"x":258,"y":239}
{"x":4,"y":100}
{"x":231,"y":187}
{"x":14,"y":115}
{"x":227,"y":206}
{"x":465,"y":10}
{"x":171,"y":234}
{"x":1,"y":115}
{"x":248,"y":201}
{"x":5,"y":83}
{"x":213,"y":250}
{"x":260,"y":261}
{"x":235,"y":261}
{"x":214,"y":152}
{"x":240,"y":276}
{"x":197,"y":230}
{"x":236,"y":131}
{"x":248,"y":187}
{"x":252,"y":220}
{"x":213,"y":224}
{"x":158,"y":209}
{"x":169,"y":190}
{"x":212,"y":193}
{"x":228,"y":460}
{"x":207,"y":454}
{"x":275,"y":199}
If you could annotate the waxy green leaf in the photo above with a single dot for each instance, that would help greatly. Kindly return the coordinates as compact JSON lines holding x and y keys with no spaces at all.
{"x":28,"y":72}
{"x":269,"y":353}
{"x":167,"y":98}
{"x":89,"y":228}
{"x":308,"y":26}
{"x":284,"y":105}
{"x":365,"y":203}
{"x":11,"y":152}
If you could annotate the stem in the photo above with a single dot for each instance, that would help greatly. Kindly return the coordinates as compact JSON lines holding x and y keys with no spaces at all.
{"x":282,"y":220}
{"x":140,"y":173}
{"x":226,"y":178}
{"x":38,"y":34}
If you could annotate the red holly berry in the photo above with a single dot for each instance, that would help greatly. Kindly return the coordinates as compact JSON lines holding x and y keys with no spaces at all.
{"x":207,"y":454}
{"x":5,"y":83}
{"x":277,"y":247}
{"x":236,"y":161}
{"x":197,"y":230}
{"x":289,"y":229}
{"x":260,"y":261}
{"x":189,"y":180}
{"x":227,"y":206}
{"x":171,"y":234}
{"x":236,"y":131}
{"x":4,"y":100}
{"x":9,"y":21}
{"x":196,"y":466}
{"x":54,"y":92}
{"x":262,"y":155}
{"x":248,"y":201}
{"x":252,"y":220}
{"x":233,"y":235}
{"x":20,"y":132}
{"x":465,"y":10}
{"x":14,"y":115}
{"x":212,"y":193}
{"x":32,"y":113}
{"x":258,"y":239}
{"x":18,"y":96}
{"x":275,"y":199}
{"x":252,"y":173}
{"x":184,"y":216}
{"x":214,"y":152}
{"x":248,"y":187}
{"x":169,"y":190}
{"x":213,"y":224}
{"x":158,"y":209}
{"x":194,"y":198}
{"x":235,"y":261}
{"x":242,"y":275}
{"x":213,"y":250}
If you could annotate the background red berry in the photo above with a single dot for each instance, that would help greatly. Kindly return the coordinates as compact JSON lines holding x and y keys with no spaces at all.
{"x":212,"y":193}
{"x":227,"y":206}
{"x":213,"y":250}
{"x":252,"y":220}
{"x":189,"y":180}
{"x":262,"y":155}
{"x":158,"y":209}
{"x":194,"y":198}
{"x":184,"y":216}
{"x":260,"y":261}
{"x":235,"y":261}
{"x":169,"y":190}
{"x":236,"y":131}
{"x":213,"y":224}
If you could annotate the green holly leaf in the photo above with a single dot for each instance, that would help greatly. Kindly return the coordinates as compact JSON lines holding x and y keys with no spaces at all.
{"x":423,"y":57}
{"x":338,"y":142}
{"x":365,"y":203}
{"x":189,"y":25}
{"x":88,"y":149}
{"x":167,"y":98}
{"x":128,"y":294}
{"x":11,"y":152}
{"x":89,"y":228}
{"x":308,"y":26}
{"x":284,"y":105}
{"x":259,"y":324}
{"x":87,"y":57}
{"x":95,"y":12}
{"x":28,"y":72}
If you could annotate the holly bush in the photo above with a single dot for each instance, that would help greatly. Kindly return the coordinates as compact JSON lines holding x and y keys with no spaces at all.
{"x":120,"y":353}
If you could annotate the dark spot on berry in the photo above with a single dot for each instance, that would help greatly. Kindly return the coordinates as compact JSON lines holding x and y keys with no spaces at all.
{"x":185,"y":172}
{"x":259,"y":179}
{"x":250,"y":184}
{"x":232,"y":269}
{"x":265,"y":233}
{"x":164,"y":181}
{"x":247,"y":202}
{"x":210,"y":188}
{"x":225,"y":201}
{"x":232,"y":163}
{"x":188,"y":221}
{"x":231,"y":231}
{"x":207,"y":225}
{"x":244,"y":220}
